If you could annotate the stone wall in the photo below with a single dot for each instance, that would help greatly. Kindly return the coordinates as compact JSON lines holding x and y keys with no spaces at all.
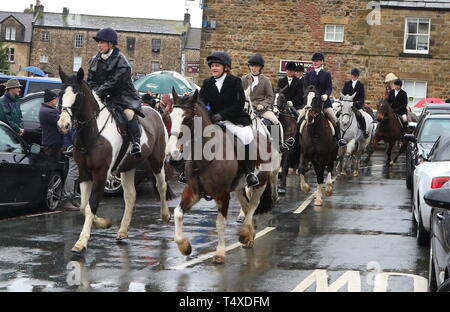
{"x":291,"y":29}
{"x":192,"y":55}
{"x":61,"y":51}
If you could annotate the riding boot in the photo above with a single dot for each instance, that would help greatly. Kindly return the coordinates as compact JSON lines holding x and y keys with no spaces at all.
{"x":134,"y":131}
{"x":249,"y":167}
{"x":179,"y":168}
{"x":284,"y":147}
{"x":362,"y":123}
{"x":340,"y":141}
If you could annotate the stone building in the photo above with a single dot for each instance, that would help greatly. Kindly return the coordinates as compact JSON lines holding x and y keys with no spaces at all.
{"x":407,"y":37}
{"x":15,"y":34}
{"x":66,"y":39}
{"x":191,"y":54}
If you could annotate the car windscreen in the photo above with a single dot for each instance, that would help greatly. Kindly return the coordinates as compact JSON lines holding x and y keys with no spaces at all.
{"x":9,"y":143}
{"x":37,"y":86}
{"x":30,"y":109}
{"x":433,"y":128}
{"x":441,"y":150}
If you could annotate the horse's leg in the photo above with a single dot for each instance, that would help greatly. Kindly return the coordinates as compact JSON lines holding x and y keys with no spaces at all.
{"x":247,"y":232}
{"x":284,"y":172}
{"x":329,"y":184}
{"x":188,"y":199}
{"x":319,"y":169}
{"x":388,"y":153}
{"x":161,"y":185}
{"x":222,"y":202}
{"x":129,"y":195}
{"x":85,"y":190}
{"x":402,"y":150}
{"x":274,"y":184}
{"x":303,"y":185}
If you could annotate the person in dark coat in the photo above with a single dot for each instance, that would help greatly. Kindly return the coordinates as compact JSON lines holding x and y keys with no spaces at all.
{"x":52,"y":140}
{"x":10,"y":112}
{"x":299,"y":71}
{"x":448,"y":100}
{"x":398,"y":99}
{"x":294,"y":93}
{"x":356,"y":87}
{"x":224,"y":95}
{"x":322,"y":81}
{"x":110,"y":77}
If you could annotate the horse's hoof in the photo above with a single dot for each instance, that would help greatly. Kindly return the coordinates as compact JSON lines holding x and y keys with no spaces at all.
{"x":121,"y":235}
{"x":275,"y":199}
{"x":240,"y":219}
{"x":281,"y":191}
{"x":218,"y":259}
{"x":391,"y":163}
{"x":102,"y":223}
{"x":291,"y":171}
{"x":78,"y":250}
{"x":356,"y":174}
{"x":306,"y":189}
{"x":329,"y":191}
{"x":166,"y":218}
{"x":185,"y":247}
{"x":318,"y":202}
{"x":247,"y":236}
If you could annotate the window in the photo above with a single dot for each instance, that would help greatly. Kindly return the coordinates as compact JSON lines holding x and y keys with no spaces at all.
{"x":10,"y":33}
{"x":11,"y":52}
{"x":79,"y":40}
{"x":45,"y":36}
{"x":36,"y":86}
{"x":9,"y":143}
{"x":156,"y":45}
{"x":77,"y":62}
{"x":433,"y":129}
{"x":416,"y":90}
{"x":155,"y":66}
{"x":30,"y":109}
{"x":43,"y":58}
{"x":334,"y":33}
{"x":417,"y":35}
{"x":131,"y":41}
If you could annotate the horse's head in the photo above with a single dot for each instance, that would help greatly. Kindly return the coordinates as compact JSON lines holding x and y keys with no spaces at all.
{"x":182,"y":116}
{"x":383,"y":109}
{"x":280,"y":99}
{"x":73,"y":92}
{"x":346,"y":108}
{"x":314,"y":104}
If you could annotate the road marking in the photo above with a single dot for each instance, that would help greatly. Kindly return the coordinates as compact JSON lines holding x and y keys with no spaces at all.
{"x":31,"y":216}
{"x":308,"y":201}
{"x":211,"y":254}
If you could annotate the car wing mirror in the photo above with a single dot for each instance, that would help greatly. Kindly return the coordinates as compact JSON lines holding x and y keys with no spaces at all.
{"x":412,"y":125}
{"x":35,"y":149}
{"x":438,"y":198}
{"x":410,"y":138}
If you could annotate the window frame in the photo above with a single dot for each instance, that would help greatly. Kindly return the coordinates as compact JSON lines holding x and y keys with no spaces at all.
{"x":414,"y":87}
{"x":41,"y":58}
{"x":334,"y":33}
{"x":9,"y":30}
{"x":151,"y":66}
{"x":77,"y":40}
{"x":131,"y":41}
{"x":45,"y":36}
{"x":406,"y":35}
{"x":9,"y":49}
{"x":75,"y":69}
{"x":153,"y":45}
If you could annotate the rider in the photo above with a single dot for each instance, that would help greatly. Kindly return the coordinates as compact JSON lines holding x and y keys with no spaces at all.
{"x":299,"y":70}
{"x":389,"y":84}
{"x":110,"y":78}
{"x":356,"y":87}
{"x":322,"y":81}
{"x":398,"y":99}
{"x":294,"y":92}
{"x":224,"y":95}
{"x":261,"y":94}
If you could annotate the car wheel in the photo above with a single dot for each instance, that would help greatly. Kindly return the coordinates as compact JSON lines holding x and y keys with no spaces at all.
{"x":54,"y":192}
{"x":445,"y":286}
{"x":423,"y":237}
{"x":113,"y":186}
{"x":432,"y":283}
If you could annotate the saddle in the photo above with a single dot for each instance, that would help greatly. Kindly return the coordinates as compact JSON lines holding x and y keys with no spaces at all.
{"x":303,"y":124}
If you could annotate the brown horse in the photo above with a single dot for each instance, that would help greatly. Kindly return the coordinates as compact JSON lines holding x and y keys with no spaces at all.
{"x":214,"y":177}
{"x":288,"y":119}
{"x":96,"y":148}
{"x":389,"y":129}
{"x":317,"y":145}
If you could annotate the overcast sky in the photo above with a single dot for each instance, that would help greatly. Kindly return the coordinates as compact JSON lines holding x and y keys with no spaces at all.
{"x":160,"y":9}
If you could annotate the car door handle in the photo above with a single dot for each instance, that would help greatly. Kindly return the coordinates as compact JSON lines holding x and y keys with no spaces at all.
{"x":440,"y":216}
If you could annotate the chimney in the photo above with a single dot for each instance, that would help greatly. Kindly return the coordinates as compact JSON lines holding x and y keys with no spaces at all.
{"x":187,"y":18}
{"x":65,"y":11}
{"x":39,"y":8}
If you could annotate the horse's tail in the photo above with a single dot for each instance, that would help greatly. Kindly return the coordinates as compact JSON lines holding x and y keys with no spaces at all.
{"x":265,"y":202}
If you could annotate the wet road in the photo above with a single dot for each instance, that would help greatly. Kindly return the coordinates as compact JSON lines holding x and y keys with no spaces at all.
{"x":361,"y":239}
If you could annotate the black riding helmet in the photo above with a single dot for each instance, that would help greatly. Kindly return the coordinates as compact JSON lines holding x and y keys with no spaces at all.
{"x":219,"y":57}
{"x":299,"y":68}
{"x":256,"y":59}
{"x":107,"y":34}
{"x":318,"y":57}
{"x":291,"y":66}
{"x":355,"y":72}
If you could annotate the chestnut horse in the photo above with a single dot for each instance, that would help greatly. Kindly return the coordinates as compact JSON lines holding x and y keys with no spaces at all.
{"x":389,"y":129}
{"x":96,"y":148}
{"x":214,"y":174}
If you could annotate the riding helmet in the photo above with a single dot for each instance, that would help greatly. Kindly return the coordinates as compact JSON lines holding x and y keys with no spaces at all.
{"x":291,"y":66}
{"x":390,"y":77}
{"x":398,"y":82}
{"x":256,"y":59}
{"x":219,"y":57}
{"x":107,"y":34}
{"x":318,"y":57}
{"x":355,"y":72}
{"x":299,"y":68}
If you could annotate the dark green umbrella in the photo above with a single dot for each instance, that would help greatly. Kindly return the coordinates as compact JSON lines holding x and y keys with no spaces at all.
{"x":162,"y":82}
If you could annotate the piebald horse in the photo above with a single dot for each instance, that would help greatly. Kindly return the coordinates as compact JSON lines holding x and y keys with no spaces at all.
{"x":212,"y":176}
{"x":96,"y":149}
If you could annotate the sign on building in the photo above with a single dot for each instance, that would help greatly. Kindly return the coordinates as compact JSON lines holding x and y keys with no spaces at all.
{"x":307,"y":65}
{"x":193,"y":67}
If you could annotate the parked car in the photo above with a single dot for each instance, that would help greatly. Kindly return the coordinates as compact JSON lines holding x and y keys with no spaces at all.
{"x":30,"y":106}
{"x":28,"y":177}
{"x":433,"y":173}
{"x":439,"y":269}
{"x":425,"y":133}
{"x":32,"y":84}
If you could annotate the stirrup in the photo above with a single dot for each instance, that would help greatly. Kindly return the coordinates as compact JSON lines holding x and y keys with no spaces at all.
{"x":135,"y":150}
{"x":284,"y":148}
{"x":290,"y":142}
{"x":342,"y":142}
{"x":182,"y":178}
{"x":252,"y":180}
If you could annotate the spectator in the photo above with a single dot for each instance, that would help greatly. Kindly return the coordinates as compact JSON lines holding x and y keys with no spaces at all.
{"x":70,"y":193}
{"x":52,"y":139}
{"x":10,"y":112}
{"x":148,"y":100}
{"x":448,"y":100}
